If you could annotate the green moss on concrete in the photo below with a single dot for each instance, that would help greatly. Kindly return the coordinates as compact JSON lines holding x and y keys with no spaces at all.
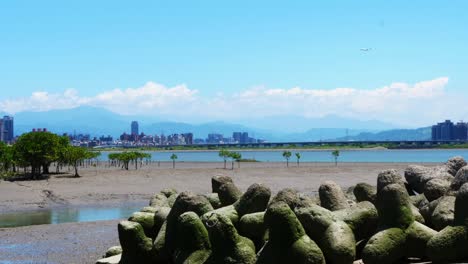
{"x":394,"y":207}
{"x":160,"y":252}
{"x":417,"y":214}
{"x":449,"y":245}
{"x":218,"y":181}
{"x":213,"y":198}
{"x":171,"y":199}
{"x":228,"y":193}
{"x":362,"y":218}
{"x":255,"y":199}
{"x":149,"y":209}
{"x":229,"y":211}
{"x":461,"y":206}
{"x":443,"y":214}
{"x":185,"y":202}
{"x":315,"y":220}
{"x":160,"y":217}
{"x":388,"y":177}
{"x":288,"y":242}
{"x":146,"y":220}
{"x":332,"y":196}
{"x":253,"y":227}
{"x":417,"y":236}
{"x":136,"y":247}
{"x":338,"y":244}
{"x":227,"y":245}
{"x":365,"y":192}
{"x":112,"y":251}
{"x":158,"y":200}
{"x":168,"y":192}
{"x":385,"y":247}
{"x":287,"y":195}
{"x":192,"y":244}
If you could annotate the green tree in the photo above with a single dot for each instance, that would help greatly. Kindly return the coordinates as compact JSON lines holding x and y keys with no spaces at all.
{"x":64,"y":143}
{"x":236,"y":156}
{"x":298,"y":157}
{"x":287,"y":155}
{"x":75,"y":155}
{"x":336,"y":154}
{"x":173,"y":158}
{"x":126,"y":157}
{"x":6,"y":159}
{"x":37,"y":149}
{"x":225,"y":154}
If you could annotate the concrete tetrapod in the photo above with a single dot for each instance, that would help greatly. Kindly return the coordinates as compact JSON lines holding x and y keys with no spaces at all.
{"x":254,"y":200}
{"x":193,"y":244}
{"x":365,"y":192}
{"x":185,"y":202}
{"x":227,"y":246}
{"x":400,"y":235}
{"x":136,"y":247}
{"x":332,"y":196}
{"x":288,"y":241}
{"x":451,"y":243}
{"x":334,"y":237}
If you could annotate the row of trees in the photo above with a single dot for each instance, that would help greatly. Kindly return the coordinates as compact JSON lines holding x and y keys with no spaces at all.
{"x":124,"y":158}
{"x":287,"y":155}
{"x":38,"y":150}
{"x":233,"y":155}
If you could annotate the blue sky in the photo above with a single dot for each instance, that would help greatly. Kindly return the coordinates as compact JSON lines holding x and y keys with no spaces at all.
{"x":225,"y":48}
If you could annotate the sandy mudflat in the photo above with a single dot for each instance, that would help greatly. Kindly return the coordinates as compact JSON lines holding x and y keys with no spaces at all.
{"x":102,"y":186}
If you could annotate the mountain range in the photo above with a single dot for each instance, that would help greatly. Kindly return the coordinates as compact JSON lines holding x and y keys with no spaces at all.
{"x":98,"y":121}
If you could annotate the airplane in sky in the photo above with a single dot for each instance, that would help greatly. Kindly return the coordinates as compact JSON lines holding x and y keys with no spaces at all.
{"x":366,"y":49}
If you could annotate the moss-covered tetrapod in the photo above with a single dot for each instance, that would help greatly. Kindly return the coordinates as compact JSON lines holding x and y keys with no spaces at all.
{"x":288,"y":242}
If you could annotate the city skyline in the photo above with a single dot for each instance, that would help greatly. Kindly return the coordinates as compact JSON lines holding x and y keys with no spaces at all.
{"x":398,"y":62}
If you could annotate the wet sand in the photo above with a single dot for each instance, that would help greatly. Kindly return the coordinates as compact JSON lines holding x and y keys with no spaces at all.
{"x":104,"y":186}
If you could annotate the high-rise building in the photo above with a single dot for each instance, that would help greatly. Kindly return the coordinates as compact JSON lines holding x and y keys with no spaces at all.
{"x":460,"y":131}
{"x":244,"y":138}
{"x":449,"y":131}
{"x":6,"y":129}
{"x":134,"y":128}
{"x":188,"y":138}
{"x":237,"y":136}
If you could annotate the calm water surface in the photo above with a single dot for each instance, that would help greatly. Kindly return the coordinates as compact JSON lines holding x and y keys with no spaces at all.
{"x":429,"y":155}
{"x":66,"y":215}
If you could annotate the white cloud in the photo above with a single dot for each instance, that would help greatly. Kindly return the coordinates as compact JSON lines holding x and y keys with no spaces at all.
{"x":400,"y":103}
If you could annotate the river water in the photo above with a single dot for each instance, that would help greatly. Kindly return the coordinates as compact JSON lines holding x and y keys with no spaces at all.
{"x":66,"y":215}
{"x":424,"y":155}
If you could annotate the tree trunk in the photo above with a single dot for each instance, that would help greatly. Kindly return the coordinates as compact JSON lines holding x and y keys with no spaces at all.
{"x":173,"y":164}
{"x":232,"y":165}
{"x":287,"y":163}
{"x":45,"y":169}
{"x":224,"y":164}
{"x":76,"y":170}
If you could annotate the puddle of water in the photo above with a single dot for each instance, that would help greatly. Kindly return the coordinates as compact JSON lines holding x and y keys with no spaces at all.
{"x":65,"y":215}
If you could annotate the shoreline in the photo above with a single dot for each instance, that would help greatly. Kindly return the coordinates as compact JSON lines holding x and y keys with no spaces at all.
{"x":104,"y":186}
